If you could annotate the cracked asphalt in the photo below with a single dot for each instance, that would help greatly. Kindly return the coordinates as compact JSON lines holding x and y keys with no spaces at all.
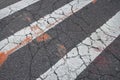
{"x":33,"y":61}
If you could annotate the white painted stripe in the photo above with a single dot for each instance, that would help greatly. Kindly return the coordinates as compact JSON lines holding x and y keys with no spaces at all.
{"x":15,"y":7}
{"x":26,"y":35}
{"x":74,"y":62}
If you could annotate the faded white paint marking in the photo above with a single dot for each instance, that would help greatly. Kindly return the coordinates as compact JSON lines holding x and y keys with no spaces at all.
{"x":74,"y":62}
{"x":26,"y":35}
{"x":15,"y":7}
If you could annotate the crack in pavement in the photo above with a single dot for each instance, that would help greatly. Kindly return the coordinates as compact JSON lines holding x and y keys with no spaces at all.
{"x":74,"y":62}
{"x":26,"y":35}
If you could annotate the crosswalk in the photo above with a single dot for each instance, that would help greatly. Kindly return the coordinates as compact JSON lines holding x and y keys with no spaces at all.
{"x":74,"y":62}
{"x":74,"y":54}
{"x":15,"y":7}
{"x":26,"y":35}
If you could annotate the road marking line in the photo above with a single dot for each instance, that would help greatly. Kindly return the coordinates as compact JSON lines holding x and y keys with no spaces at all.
{"x":15,"y":7}
{"x":75,"y":61}
{"x":26,"y":35}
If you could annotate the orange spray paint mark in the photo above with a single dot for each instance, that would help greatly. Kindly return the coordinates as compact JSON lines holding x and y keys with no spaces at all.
{"x":3,"y":58}
{"x":43,"y":37}
{"x":94,"y":1}
{"x":10,"y":51}
{"x":26,"y":40}
{"x":28,"y":19}
{"x":4,"y":55}
{"x":61,"y":49}
{"x":36,"y":29}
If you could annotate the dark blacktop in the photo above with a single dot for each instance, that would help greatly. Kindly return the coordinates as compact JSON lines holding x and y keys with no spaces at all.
{"x":32,"y":60}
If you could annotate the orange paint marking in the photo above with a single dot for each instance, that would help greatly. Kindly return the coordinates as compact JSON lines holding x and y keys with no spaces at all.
{"x":61,"y":49}
{"x":43,"y":37}
{"x":11,"y":50}
{"x":94,"y":1}
{"x":28,"y":19}
{"x":61,"y":46}
{"x":26,"y":40}
{"x":4,"y":55}
{"x":36,"y":29}
{"x":3,"y":58}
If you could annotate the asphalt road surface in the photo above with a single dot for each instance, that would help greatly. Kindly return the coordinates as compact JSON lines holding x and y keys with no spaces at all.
{"x":60,"y":40}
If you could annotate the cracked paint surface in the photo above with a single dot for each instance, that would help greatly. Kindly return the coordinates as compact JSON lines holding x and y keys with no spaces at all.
{"x":32,"y":60}
{"x":15,"y":7}
{"x":26,"y":35}
{"x":75,"y":61}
